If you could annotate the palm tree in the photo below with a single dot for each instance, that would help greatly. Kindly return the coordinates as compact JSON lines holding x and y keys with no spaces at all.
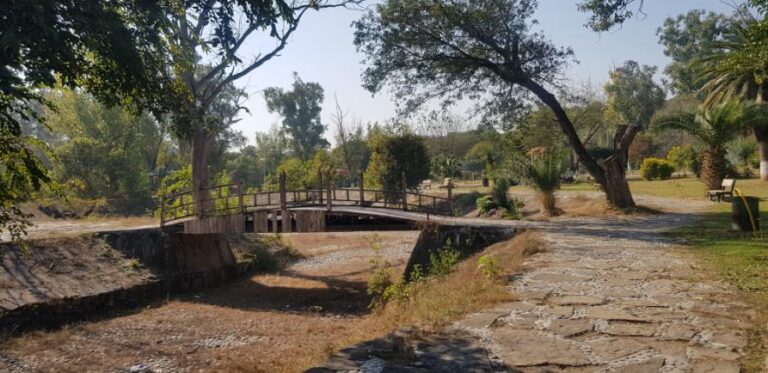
{"x":737,"y":69}
{"x":715,"y":127}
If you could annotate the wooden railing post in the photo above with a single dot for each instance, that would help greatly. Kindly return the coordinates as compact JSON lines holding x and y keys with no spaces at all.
{"x":162,"y":210}
{"x":362,"y":191}
{"x":282,"y":191}
{"x":286,"y":219}
{"x":405,"y":193}
{"x":320,"y":186}
{"x":330,"y":197}
{"x":450,"y":199}
{"x":240,"y":203}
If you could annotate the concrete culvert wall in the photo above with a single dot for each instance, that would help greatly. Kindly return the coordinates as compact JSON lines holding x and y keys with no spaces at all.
{"x":468,"y":239}
{"x":90,"y":276}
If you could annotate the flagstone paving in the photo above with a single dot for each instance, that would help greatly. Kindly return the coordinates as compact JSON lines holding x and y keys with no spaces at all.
{"x":638,"y":305}
{"x":609,"y":295}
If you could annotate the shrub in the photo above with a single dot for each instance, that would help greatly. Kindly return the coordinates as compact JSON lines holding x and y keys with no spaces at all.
{"x":656,"y":168}
{"x":543,"y":174}
{"x":442,"y":261}
{"x":489,"y":265}
{"x":685,"y":157}
{"x":486,"y":203}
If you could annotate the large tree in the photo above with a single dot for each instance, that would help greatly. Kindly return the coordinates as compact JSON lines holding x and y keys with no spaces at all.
{"x":483,"y":50}
{"x":737,"y":69}
{"x":108,"y":46}
{"x":715,"y":127}
{"x":213,"y":33}
{"x":686,"y":39}
{"x":300,"y":109}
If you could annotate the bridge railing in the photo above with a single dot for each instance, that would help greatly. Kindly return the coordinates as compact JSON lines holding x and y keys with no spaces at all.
{"x":230,"y":199}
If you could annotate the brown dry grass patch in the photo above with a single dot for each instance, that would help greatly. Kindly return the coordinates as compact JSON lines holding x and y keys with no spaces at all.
{"x":440,"y":301}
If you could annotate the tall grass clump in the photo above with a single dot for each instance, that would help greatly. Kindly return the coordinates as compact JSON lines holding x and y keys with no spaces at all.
{"x":543,"y":174}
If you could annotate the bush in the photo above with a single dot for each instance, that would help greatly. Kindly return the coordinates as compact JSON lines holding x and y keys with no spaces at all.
{"x":656,"y":168}
{"x":486,"y":203}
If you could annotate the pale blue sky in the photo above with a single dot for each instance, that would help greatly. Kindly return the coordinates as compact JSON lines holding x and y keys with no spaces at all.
{"x":322,"y":51}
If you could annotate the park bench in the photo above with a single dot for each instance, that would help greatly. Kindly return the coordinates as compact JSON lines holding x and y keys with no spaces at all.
{"x":726,"y":190}
{"x":426,"y":184}
{"x":447,"y":183}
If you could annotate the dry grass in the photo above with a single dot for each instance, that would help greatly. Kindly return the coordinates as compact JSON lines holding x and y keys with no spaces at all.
{"x":438,"y":302}
{"x":583,"y":205}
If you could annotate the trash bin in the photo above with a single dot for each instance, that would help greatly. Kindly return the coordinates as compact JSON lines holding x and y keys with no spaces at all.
{"x":741,"y":218}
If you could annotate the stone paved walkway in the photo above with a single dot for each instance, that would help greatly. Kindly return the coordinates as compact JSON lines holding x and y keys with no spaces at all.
{"x":613,"y":296}
{"x":609,"y":295}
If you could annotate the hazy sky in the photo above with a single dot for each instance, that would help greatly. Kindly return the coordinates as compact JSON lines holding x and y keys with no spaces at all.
{"x":321,"y":50}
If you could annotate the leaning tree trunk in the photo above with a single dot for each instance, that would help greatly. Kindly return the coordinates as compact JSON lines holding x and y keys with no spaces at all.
{"x":200,"y":150}
{"x":761,"y":134}
{"x":610,"y":174}
{"x":713,"y":167}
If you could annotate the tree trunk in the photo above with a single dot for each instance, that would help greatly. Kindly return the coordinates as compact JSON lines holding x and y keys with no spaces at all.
{"x":200,"y":195}
{"x":713,"y":167}
{"x":615,"y":183}
{"x":611,"y":177}
{"x":761,"y":134}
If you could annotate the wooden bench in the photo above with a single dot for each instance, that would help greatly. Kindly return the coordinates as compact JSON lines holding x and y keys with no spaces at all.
{"x":447,"y":183}
{"x":726,"y":190}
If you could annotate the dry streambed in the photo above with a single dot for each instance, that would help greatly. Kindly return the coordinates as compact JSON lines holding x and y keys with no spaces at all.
{"x":271,"y":323}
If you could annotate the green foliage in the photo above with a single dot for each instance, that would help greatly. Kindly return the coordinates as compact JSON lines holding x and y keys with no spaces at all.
{"x":176,"y":182}
{"x":300,"y":109}
{"x":633,"y":95}
{"x":685,"y":157}
{"x":686,"y":39}
{"x":486,"y":204}
{"x":744,"y":150}
{"x":295,"y":175}
{"x":656,"y":168}
{"x":444,"y":260}
{"x":489,"y":265}
{"x":320,"y":164}
{"x":606,"y":14}
{"x":474,"y":49}
{"x":392,"y":155}
{"x":382,"y":289}
{"x":446,"y":165}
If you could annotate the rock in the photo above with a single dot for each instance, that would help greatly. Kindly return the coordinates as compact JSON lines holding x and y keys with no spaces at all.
{"x":559,"y":277}
{"x":569,"y":328}
{"x":715,"y":366}
{"x":651,"y":365}
{"x":560,"y":311}
{"x":530,"y":348}
{"x":339,"y":363}
{"x":630,"y":329}
{"x":140,"y":368}
{"x":733,"y":339}
{"x":608,"y":313}
{"x":682,"y":332}
{"x":514,"y":306}
{"x":536,"y":297}
{"x":700,"y":353}
{"x":481,"y":320}
{"x":609,"y":349}
{"x":586,"y":300}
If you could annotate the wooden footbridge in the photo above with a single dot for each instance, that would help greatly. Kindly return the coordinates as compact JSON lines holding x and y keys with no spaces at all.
{"x":229,"y":209}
